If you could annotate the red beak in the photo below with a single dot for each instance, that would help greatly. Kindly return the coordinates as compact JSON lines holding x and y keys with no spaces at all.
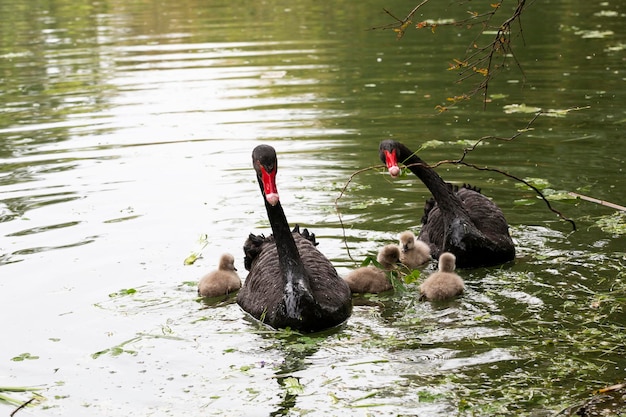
{"x":269,"y":186}
{"x":392,"y":163}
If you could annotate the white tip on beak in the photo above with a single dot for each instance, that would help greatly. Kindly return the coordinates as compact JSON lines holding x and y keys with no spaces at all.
{"x":272,"y":199}
{"x":394,"y":171}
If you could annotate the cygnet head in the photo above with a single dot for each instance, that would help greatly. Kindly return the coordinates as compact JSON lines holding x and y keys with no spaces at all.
{"x":447,"y":262}
{"x":388,"y":256}
{"x":227,"y":262}
{"x":406,"y":240}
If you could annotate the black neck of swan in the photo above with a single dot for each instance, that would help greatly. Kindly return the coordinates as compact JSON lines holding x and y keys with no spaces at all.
{"x":288,"y":255}
{"x":450,"y":205}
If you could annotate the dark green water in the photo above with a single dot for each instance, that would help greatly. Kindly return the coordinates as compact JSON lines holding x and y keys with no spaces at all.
{"x":125,"y":134}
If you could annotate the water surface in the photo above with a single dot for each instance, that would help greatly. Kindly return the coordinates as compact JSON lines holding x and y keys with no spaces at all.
{"x":125,"y":135}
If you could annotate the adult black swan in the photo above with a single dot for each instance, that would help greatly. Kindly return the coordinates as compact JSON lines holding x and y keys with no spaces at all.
{"x":290,"y":283}
{"x":460,"y":220}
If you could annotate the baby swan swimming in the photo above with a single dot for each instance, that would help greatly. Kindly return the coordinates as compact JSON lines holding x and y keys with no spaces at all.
{"x":370,"y":279}
{"x":444,"y":283}
{"x":413,"y":252}
{"x":222,"y":281}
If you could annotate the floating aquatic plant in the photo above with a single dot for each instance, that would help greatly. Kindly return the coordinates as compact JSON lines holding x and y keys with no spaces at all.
{"x":203,"y":241}
{"x":614,"y":223}
{"x":10,"y":400}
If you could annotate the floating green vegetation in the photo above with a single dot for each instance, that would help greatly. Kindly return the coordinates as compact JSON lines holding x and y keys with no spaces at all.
{"x":462,"y":142}
{"x":614,"y":223}
{"x":292,"y":386}
{"x":203,"y":241}
{"x":119,"y":349}
{"x":542,"y":185}
{"x":23,"y":357}
{"x":538,"y":183}
{"x":123,"y":292}
{"x":361,"y":205}
{"x":523,"y":108}
{"x":10,"y":400}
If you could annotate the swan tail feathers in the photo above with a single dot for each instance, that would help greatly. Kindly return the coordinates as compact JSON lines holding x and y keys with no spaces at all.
{"x":251,"y":249}
{"x":305,"y":234}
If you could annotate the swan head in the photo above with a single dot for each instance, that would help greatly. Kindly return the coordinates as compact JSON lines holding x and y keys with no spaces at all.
{"x":266,"y":165}
{"x":406,"y":240}
{"x":447,"y":262}
{"x":388,"y":153}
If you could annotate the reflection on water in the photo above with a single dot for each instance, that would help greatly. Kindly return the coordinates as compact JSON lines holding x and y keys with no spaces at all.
{"x":126,"y":132}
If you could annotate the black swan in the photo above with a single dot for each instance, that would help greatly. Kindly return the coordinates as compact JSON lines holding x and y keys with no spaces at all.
{"x":461,"y":221}
{"x":290,"y":283}
{"x":444,"y":283}
{"x":413,"y":252}
{"x":370,"y":279}
{"x":222,"y":281}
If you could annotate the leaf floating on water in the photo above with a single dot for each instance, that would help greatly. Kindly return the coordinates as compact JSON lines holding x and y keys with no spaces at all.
{"x":561,"y":195}
{"x":6,"y":399}
{"x":23,"y":357}
{"x":203,"y":241}
{"x":520,"y":108}
{"x":293,"y":386}
{"x":538,"y":183}
{"x":122,"y":292}
{"x":614,"y":223}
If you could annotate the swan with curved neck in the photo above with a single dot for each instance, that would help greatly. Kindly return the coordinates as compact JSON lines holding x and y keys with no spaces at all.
{"x":290,"y":283}
{"x":462,"y":221}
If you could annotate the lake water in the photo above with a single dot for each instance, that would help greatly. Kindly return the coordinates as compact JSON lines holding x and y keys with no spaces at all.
{"x":126,"y":130}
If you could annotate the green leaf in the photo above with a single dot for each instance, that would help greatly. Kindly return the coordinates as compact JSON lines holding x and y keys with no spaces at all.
{"x":538,"y":183}
{"x":293,"y":386}
{"x":203,"y":241}
{"x":24,"y":356}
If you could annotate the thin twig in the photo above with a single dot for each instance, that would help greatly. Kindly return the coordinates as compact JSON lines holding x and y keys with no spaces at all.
{"x":597,"y":201}
{"x":21,"y":406}
{"x":343,"y":190}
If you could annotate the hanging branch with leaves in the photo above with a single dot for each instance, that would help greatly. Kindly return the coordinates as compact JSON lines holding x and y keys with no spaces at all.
{"x":479,"y":60}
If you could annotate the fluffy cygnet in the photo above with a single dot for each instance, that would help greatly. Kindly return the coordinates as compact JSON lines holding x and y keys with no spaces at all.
{"x":413,"y":252}
{"x":221,"y":281}
{"x":444,"y":283}
{"x":370,"y":279}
